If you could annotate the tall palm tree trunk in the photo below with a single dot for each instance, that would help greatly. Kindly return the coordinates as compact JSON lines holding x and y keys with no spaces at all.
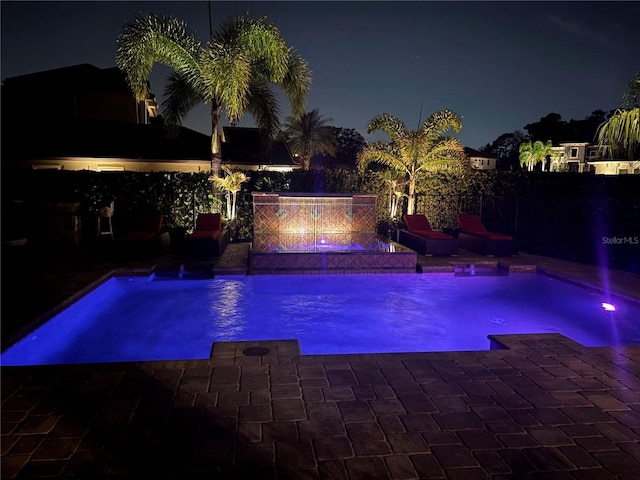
{"x":227,"y":196}
{"x":216,"y":143}
{"x":234,"y":212}
{"x":411,"y":205}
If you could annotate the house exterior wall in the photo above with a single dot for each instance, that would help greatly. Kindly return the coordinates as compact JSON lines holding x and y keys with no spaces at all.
{"x":616,"y":167}
{"x":256,"y":167}
{"x":584,"y":157}
{"x":482,"y":163}
{"x":111,"y":165}
{"x":569,"y":157}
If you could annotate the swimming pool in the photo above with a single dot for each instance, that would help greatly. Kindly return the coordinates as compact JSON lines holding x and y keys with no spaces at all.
{"x":137,"y":318}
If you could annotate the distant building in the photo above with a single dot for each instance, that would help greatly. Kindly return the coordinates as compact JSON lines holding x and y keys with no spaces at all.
{"x":244,"y":149}
{"x":584,"y":157}
{"x":78,"y":92}
{"x":86,"y":118}
{"x":479,"y":160}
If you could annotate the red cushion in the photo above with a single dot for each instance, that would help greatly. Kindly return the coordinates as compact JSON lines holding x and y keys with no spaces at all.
{"x":417,"y":222}
{"x":206,"y":234}
{"x":209,"y":221}
{"x":471,"y":224}
{"x":431,"y":234}
{"x":490,"y":235}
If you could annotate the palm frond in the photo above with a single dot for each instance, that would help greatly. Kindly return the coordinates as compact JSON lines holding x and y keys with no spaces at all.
{"x":150,"y":39}
{"x":621,"y":133}
{"x":309,"y":135}
{"x":263,"y":106}
{"x":389,"y":124}
{"x":230,"y":72}
{"x":296,"y":84}
{"x":259,"y":40}
{"x":441,"y":121}
{"x":444,"y":149}
{"x":631,"y":96}
{"x":232,"y":180}
{"x":179,"y":99}
{"x":525,"y":152}
{"x":381,"y":153}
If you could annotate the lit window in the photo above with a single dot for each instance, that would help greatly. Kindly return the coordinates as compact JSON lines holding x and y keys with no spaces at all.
{"x":110,"y":168}
{"x":46,"y":167}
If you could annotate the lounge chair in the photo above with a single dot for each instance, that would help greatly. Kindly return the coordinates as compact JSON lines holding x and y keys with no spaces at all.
{"x":210,"y":238}
{"x":476,"y":238}
{"x":421,"y":238}
{"x":146,"y":232}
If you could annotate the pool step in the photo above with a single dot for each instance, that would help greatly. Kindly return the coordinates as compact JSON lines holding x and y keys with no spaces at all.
{"x":197,"y":270}
{"x":194,"y":270}
{"x":478,"y":269}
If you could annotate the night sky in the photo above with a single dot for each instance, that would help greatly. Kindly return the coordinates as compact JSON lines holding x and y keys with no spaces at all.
{"x":500,"y":65}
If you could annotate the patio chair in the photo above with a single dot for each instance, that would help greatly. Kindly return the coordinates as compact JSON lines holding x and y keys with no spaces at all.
{"x":146,"y":232}
{"x":210,"y":238}
{"x":476,"y":238}
{"x":420,"y":237}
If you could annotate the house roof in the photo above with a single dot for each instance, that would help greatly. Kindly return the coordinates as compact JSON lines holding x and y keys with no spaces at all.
{"x":102,"y":139}
{"x":73,"y":78}
{"x":473,"y":153}
{"x":243,"y":146}
{"x":110,"y":130}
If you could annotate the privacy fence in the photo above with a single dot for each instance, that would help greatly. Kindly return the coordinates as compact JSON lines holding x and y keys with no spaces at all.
{"x":593,"y":230}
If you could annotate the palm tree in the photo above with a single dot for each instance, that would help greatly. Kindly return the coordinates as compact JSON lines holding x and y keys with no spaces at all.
{"x":412,"y":152}
{"x":233,"y":72}
{"x":394,"y":185}
{"x":621,"y":133}
{"x":309,"y":135}
{"x":231,"y":183}
{"x":533,"y":153}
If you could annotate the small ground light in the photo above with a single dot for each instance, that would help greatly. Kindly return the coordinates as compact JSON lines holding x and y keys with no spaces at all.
{"x":608,"y":307}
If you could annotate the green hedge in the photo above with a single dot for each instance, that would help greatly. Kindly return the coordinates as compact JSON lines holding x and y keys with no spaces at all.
{"x":440,"y":195}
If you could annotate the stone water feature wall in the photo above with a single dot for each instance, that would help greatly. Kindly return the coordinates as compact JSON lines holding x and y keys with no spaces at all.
{"x":300,"y":222}
{"x":303,"y":233}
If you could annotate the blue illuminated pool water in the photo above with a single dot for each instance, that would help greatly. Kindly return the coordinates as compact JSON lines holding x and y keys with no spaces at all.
{"x":135,"y":319}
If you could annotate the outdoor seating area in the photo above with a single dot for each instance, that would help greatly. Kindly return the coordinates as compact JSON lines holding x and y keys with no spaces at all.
{"x":145,"y":233}
{"x":421,"y":238}
{"x":476,"y":238}
{"x":210,"y":237}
